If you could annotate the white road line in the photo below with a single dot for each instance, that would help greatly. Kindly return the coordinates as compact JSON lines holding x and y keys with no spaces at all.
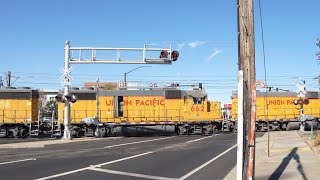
{"x":94,"y":166}
{"x":199,"y":139}
{"x":205,"y":164}
{"x":132,"y":174}
{"x":9,"y":162}
{"x":137,"y":142}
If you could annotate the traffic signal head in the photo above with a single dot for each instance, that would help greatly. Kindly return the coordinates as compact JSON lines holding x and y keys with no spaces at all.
{"x":306,"y":101}
{"x":59,"y":98}
{"x":164,"y":54}
{"x":71,"y":98}
{"x":174,"y":55}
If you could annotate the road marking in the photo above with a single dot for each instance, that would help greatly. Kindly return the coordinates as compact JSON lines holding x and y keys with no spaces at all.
{"x":132,"y":174}
{"x":137,"y":142}
{"x":205,"y":164}
{"x":9,"y":162}
{"x":199,"y":139}
{"x":98,"y":165}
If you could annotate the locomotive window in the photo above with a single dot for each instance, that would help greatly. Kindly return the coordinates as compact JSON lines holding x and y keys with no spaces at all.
{"x":172,"y":94}
{"x":197,"y":100}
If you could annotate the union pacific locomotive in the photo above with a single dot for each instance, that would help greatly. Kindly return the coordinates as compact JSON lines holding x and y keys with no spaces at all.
{"x":283,"y":110}
{"x":102,"y":111}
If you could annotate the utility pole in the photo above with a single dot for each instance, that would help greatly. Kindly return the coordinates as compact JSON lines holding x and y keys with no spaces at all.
{"x":8,"y":79}
{"x":1,"y":82}
{"x":246,"y":56}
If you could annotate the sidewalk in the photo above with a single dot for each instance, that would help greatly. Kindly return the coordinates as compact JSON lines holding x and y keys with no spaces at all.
{"x":290,"y":158}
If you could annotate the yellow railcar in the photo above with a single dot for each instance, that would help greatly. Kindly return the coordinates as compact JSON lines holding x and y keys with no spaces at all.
{"x":279,"y":109}
{"x":18,"y":109}
{"x":188,"y":110}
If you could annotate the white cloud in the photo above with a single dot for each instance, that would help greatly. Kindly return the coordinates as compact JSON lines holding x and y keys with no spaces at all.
{"x":195,"y":44}
{"x":214,"y":54}
{"x":180,"y":46}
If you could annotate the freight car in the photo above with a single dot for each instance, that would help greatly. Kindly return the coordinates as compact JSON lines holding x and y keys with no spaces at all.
{"x":100,"y":112}
{"x":281,"y":112}
{"x":18,"y":110}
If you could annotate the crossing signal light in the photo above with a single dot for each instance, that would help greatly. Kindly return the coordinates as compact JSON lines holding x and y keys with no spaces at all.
{"x":164,"y":54}
{"x":175,"y":85}
{"x":71,"y":98}
{"x":301,"y":101}
{"x":174,"y":55}
{"x":59,"y":98}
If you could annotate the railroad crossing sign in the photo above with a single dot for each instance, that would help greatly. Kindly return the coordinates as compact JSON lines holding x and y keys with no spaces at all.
{"x":66,"y":74}
{"x":301,"y":89}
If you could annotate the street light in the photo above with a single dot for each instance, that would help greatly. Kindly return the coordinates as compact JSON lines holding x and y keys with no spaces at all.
{"x":125,"y":74}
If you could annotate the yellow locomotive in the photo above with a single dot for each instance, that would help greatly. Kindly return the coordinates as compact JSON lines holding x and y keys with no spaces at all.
{"x":282,"y":109}
{"x":103,"y":110}
{"x":18,"y":110}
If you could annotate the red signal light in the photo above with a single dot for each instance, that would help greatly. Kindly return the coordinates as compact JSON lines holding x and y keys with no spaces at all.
{"x":59,"y":98}
{"x":300,"y":101}
{"x":164,"y":54}
{"x":174,"y":55}
{"x":306,"y":101}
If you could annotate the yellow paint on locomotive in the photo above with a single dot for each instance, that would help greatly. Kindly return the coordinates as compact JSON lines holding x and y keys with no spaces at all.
{"x":14,"y":111}
{"x":280,"y":108}
{"x":136,"y":109}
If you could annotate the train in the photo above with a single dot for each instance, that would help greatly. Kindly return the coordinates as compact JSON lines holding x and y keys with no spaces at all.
{"x":278,"y":110}
{"x":102,"y":111}
{"x":18,"y":111}
{"x":98,"y":112}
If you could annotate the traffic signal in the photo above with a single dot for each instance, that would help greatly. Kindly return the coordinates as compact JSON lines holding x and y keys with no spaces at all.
{"x":174,"y":55}
{"x":59,"y":98}
{"x":164,"y":54}
{"x":71,"y":98}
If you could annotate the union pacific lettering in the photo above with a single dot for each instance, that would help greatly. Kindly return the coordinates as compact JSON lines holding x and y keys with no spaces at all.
{"x":280,"y":102}
{"x":151,"y":102}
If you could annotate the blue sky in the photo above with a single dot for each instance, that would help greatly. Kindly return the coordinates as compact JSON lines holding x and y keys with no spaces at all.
{"x":33,"y":35}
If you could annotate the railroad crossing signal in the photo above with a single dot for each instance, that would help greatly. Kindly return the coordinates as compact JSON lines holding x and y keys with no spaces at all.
{"x":70,"y":98}
{"x":301,"y":101}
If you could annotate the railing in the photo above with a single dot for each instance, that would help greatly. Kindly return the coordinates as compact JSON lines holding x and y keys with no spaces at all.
{"x":283,"y":113}
{"x":15,"y":116}
{"x":134,"y":115}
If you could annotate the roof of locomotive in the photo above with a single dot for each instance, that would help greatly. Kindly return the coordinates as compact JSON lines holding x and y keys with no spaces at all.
{"x":152,"y":92}
{"x":309,"y":94}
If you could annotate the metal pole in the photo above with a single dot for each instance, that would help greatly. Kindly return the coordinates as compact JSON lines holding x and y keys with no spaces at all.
{"x":252,"y":130}
{"x":240,"y":127}
{"x":66,"y":133}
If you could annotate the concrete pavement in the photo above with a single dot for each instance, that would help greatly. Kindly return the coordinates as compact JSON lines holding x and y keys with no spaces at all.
{"x":290,"y":158}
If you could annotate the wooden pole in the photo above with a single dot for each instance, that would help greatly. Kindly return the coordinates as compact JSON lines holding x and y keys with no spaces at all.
{"x":246,"y":55}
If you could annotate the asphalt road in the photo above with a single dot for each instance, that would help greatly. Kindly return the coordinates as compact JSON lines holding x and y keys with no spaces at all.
{"x":153,"y":157}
